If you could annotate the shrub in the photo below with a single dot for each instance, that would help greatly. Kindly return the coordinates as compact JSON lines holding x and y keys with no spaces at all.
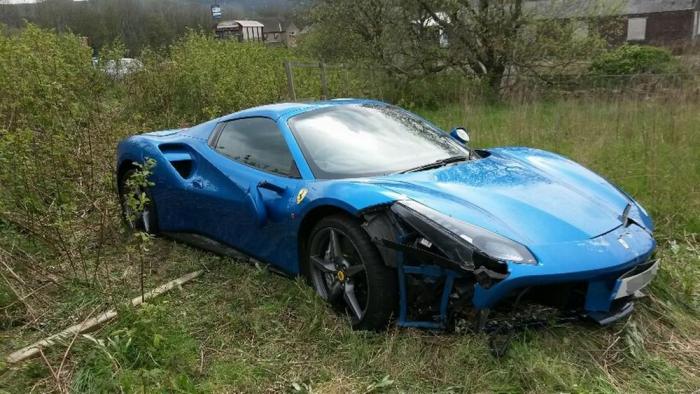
{"x":51,"y":139}
{"x":202,"y":78}
{"x":635,"y":59}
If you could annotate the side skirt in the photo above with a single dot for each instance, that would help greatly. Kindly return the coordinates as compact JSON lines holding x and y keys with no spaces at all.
{"x":216,"y":247}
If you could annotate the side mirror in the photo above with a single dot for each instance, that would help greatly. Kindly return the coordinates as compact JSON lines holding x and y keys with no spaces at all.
{"x":461,"y":135}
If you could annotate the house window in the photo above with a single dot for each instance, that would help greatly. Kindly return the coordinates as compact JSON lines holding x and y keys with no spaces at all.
{"x":636,"y":29}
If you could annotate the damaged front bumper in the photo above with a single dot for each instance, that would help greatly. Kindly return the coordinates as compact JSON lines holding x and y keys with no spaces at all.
{"x":612,"y":267}
{"x":608,"y":270}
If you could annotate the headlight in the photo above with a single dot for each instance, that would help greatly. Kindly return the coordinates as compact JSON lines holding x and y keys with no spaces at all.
{"x":479,"y":239}
{"x":641,"y":217}
{"x":637,"y":213}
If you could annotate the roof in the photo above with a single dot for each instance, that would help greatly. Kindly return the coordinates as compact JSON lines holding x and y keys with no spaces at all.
{"x":11,"y":2}
{"x":442,"y":17}
{"x":275,"y":111}
{"x":249,"y":23}
{"x":651,"y":6}
{"x":582,"y":8}
{"x":273,"y":25}
{"x":234,"y":24}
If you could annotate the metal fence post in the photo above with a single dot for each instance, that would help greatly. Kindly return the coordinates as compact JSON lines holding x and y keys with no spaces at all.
{"x":290,"y":80}
{"x":324,"y":82}
{"x":346,"y":80}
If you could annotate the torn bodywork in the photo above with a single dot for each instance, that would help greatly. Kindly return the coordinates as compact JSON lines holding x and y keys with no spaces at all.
{"x":450,"y":271}
{"x":437,"y":269}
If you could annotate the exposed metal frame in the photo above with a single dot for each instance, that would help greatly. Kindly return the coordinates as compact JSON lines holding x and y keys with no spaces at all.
{"x":432,"y":271}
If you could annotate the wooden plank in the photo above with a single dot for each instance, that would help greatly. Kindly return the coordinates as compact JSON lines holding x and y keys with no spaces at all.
{"x":35,"y":348}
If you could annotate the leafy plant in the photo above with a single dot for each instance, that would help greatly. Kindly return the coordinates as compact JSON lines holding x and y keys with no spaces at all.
{"x":137,"y":199}
{"x":635,"y":59}
{"x":138,"y":353}
{"x":202,"y":78}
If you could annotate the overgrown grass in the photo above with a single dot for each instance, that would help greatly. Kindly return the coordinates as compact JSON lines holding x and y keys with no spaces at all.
{"x":650,"y":148}
{"x":242,"y":329}
{"x":64,"y":255}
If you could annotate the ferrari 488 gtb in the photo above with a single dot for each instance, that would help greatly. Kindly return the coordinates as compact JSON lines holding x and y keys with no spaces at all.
{"x":388,"y":216}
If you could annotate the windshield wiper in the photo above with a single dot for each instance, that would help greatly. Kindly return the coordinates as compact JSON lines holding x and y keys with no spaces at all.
{"x":436,"y":164}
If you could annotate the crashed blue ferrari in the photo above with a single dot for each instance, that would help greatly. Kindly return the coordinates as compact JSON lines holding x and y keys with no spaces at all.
{"x":391,"y":218}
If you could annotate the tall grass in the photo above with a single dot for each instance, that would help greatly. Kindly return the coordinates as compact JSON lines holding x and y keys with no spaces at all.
{"x":650,"y":148}
{"x":63,"y":255}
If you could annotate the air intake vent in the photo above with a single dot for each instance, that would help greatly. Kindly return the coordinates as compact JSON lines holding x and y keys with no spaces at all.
{"x":184,"y":168}
{"x":179,"y":157}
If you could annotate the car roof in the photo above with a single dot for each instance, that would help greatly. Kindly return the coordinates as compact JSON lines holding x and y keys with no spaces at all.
{"x":276,"y":111}
{"x":273,"y":111}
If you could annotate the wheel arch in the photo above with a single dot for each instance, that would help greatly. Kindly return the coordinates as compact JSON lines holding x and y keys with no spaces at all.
{"x":124,"y":166}
{"x":309,"y":221}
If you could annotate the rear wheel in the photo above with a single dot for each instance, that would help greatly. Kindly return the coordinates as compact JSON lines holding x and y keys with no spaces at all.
{"x":346,"y":269}
{"x":143,"y":220}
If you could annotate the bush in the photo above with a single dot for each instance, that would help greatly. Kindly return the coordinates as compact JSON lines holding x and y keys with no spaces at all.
{"x":635,"y":59}
{"x":203,"y":78}
{"x":52,"y":139}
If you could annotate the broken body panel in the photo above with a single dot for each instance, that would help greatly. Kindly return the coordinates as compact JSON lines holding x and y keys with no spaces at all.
{"x":581,"y":230}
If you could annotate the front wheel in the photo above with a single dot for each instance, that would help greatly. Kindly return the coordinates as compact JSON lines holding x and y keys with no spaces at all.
{"x":346,"y":269}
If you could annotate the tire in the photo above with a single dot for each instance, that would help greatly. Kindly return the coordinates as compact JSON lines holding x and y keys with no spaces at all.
{"x":147,"y":220}
{"x":352,"y":269}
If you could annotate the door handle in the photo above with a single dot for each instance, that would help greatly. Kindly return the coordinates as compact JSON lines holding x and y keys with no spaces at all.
{"x":198,"y":184}
{"x":271,"y":186}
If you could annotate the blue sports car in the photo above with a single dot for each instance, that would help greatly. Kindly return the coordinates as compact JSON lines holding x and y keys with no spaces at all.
{"x":389,"y":217}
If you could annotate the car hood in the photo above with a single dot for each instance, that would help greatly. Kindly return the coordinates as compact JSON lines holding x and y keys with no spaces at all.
{"x":528,"y":195}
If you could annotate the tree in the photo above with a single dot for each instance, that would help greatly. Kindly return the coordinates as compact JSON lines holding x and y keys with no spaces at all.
{"x":485,"y":39}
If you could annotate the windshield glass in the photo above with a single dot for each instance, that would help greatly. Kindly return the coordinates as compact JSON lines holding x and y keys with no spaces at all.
{"x":365,"y":140}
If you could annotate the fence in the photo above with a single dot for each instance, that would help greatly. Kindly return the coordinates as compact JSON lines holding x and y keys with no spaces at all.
{"x":310,"y":81}
{"x":632,"y":86}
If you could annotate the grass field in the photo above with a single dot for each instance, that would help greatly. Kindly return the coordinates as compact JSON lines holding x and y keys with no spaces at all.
{"x":239,"y":328}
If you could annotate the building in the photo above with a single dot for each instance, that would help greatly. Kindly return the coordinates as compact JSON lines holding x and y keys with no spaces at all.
{"x":278,"y":32}
{"x":670,"y":23}
{"x":241,"y":30}
{"x":268,"y":31}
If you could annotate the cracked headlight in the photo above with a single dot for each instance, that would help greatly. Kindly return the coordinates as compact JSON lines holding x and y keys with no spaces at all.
{"x":479,"y":239}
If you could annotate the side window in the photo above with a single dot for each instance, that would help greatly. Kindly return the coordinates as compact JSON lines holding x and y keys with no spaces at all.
{"x":258,"y":143}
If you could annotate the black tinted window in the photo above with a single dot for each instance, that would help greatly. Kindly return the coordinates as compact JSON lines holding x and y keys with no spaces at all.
{"x":256,"y":142}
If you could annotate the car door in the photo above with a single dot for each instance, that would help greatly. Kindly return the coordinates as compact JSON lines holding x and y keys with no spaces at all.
{"x":245,"y":201}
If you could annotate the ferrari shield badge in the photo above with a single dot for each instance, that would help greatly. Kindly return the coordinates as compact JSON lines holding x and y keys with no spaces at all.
{"x":302,"y":195}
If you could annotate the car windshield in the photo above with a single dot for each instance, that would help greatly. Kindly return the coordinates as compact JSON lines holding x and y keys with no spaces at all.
{"x":348,"y":141}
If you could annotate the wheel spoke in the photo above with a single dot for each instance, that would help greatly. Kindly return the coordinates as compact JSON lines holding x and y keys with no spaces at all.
{"x":351,"y":300}
{"x":334,"y":291}
{"x":322,"y":264}
{"x":334,"y":249}
{"x":354,"y":269}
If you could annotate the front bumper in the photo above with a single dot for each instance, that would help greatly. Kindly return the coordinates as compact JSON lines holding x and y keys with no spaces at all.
{"x":614,"y":266}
